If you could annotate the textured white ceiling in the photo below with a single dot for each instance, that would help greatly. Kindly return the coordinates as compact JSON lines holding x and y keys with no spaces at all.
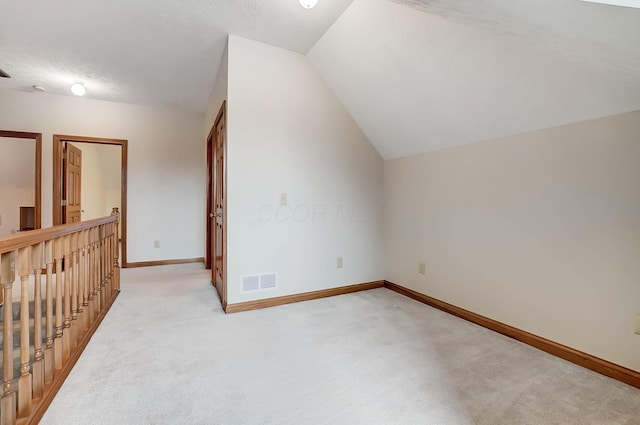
{"x":419,"y":75}
{"x":164,"y":52}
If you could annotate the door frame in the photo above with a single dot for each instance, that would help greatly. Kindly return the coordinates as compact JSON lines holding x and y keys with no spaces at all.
{"x":37,"y":137}
{"x":58,"y":148}
{"x":208,"y":250}
{"x":222,"y":114}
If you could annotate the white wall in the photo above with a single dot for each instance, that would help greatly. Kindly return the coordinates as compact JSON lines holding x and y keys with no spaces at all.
{"x":166,"y":164}
{"x":219,"y":92}
{"x":100,"y":179}
{"x":540,"y":231}
{"x":11,"y":199}
{"x":288,"y":133}
{"x":17,"y":181}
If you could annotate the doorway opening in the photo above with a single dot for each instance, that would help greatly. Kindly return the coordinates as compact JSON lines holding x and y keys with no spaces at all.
{"x":29,"y":216}
{"x":216,"y":250}
{"x":68,"y":159}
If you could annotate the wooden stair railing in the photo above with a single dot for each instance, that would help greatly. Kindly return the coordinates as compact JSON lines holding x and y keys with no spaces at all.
{"x":82,"y":280}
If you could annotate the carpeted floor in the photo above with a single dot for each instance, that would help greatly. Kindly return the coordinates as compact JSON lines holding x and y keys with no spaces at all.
{"x":166,"y":354}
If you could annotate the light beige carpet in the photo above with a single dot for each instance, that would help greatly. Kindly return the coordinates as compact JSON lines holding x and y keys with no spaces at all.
{"x":166,"y":354}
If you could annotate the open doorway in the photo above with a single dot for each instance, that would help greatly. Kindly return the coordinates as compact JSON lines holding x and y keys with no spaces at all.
{"x":20,"y":181}
{"x":217,"y":205}
{"x":89,"y":178}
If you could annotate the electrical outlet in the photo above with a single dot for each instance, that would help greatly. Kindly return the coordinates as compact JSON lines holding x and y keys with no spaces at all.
{"x":637,"y":327}
{"x":156,"y":244}
{"x":339,"y":262}
{"x":422,"y":267}
{"x":283,"y":199}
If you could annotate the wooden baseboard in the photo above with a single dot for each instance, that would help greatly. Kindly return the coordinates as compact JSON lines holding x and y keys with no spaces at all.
{"x":163,"y":262}
{"x":39,"y":407}
{"x":604,"y":367}
{"x":307,"y":296}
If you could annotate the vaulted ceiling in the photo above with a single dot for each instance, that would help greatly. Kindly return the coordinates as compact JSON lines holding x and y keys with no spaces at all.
{"x":419,"y":75}
{"x":416,"y":75}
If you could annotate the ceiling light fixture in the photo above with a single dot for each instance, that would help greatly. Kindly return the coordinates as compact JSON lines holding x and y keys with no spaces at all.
{"x":308,"y":4}
{"x":624,"y":3}
{"x":4,"y":74}
{"x":39,"y":88}
{"x":78,"y":89}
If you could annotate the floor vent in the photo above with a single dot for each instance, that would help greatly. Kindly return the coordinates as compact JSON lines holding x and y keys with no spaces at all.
{"x":256,"y":282}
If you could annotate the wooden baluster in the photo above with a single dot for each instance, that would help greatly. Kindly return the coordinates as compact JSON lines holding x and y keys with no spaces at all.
{"x":75,"y":333}
{"x":38,"y":366}
{"x":86,"y":280}
{"x":49,"y":365}
{"x":68,"y":272}
{"x":92,"y":275}
{"x":103,"y":279}
{"x":116,"y":253}
{"x":24,"y":382}
{"x":106,"y":264}
{"x":99,"y":266}
{"x":8,"y":402}
{"x":81,"y":314}
{"x":99,"y":299}
{"x":107,"y":260}
{"x":57,"y":342}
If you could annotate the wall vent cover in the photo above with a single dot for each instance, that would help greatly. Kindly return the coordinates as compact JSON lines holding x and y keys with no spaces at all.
{"x":268,"y":281}
{"x":256,"y":282}
{"x":250,"y":283}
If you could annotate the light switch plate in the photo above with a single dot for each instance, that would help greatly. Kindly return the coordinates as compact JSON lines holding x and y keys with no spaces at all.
{"x":422,"y":268}
{"x":339,"y":262}
{"x":283,"y":199}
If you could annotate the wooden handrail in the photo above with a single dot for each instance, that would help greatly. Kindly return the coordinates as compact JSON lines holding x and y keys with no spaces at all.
{"x":82,"y":279}
{"x":32,"y":237}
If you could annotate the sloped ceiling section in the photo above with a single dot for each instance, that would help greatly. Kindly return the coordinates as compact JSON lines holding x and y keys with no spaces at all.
{"x":421,"y":75}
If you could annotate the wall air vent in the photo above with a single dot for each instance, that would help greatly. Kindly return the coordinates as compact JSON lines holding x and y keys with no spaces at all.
{"x":4,"y":74}
{"x":250,"y":283}
{"x":256,"y":282}
{"x":268,"y":281}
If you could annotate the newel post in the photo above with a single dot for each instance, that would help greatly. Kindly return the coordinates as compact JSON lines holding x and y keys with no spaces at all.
{"x":116,"y":251}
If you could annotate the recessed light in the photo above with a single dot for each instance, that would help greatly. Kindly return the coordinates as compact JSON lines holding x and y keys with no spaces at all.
{"x":78,"y":89}
{"x":624,"y":3}
{"x":39,"y":88}
{"x":308,"y":4}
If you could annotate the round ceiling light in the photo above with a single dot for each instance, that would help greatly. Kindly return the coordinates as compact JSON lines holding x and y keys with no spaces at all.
{"x":78,"y":89}
{"x":308,"y":4}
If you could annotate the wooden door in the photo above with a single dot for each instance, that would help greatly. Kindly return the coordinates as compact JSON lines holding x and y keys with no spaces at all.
{"x":72,"y":166}
{"x":218,"y":207}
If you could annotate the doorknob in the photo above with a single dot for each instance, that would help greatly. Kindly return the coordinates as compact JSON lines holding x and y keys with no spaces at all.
{"x":211,"y":215}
